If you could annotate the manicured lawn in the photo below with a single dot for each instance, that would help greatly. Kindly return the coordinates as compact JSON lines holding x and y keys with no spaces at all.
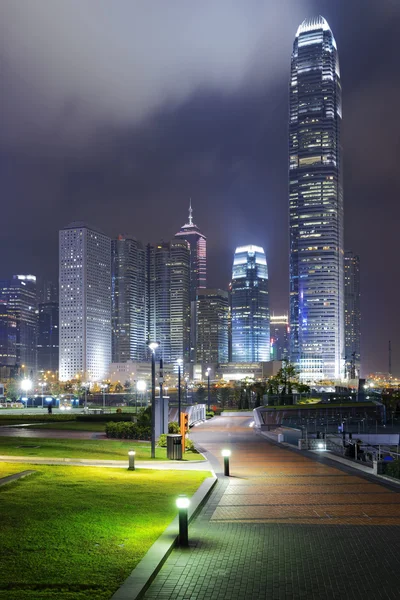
{"x":10,"y":468}
{"x":96,"y":449}
{"x":75,"y":533}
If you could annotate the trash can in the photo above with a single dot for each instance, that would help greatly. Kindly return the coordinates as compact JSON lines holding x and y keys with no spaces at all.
{"x":174,"y":446}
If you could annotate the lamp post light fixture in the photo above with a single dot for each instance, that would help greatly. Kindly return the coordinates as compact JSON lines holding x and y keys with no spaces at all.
{"x":153,"y":347}
{"x":26,"y":385}
{"x":141,"y":388}
{"x":182,"y":503}
{"x":179,"y":363}
{"x":226,"y":454}
{"x":131,"y":455}
{"x":208,"y":388}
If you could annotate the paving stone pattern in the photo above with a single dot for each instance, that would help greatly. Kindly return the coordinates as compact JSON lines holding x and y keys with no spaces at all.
{"x":285,"y":526}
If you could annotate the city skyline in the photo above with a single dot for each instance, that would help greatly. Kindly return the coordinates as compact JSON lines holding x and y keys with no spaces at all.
{"x":222,"y":147}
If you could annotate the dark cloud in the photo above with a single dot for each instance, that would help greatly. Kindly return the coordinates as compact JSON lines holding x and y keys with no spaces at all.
{"x":99,"y":123}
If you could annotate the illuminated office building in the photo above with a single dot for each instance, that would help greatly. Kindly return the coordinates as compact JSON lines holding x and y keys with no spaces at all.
{"x":168,"y":277}
{"x":85,"y":303}
{"x":352,"y":314}
{"x":316,"y":205}
{"x":212,"y":311}
{"x":250,"y":306}
{"x":128,"y":265}
{"x":19,"y":294}
{"x":198,"y":254}
{"x":48,"y":337}
{"x":279,"y":329}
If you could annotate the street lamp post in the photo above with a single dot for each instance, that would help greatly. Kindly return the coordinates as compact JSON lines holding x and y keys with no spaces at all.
{"x":208,"y":389}
{"x":153,"y":347}
{"x":104,"y":386}
{"x":179,"y":361}
{"x":26,"y":385}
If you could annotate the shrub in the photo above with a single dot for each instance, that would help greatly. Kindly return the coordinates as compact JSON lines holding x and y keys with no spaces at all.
{"x":189,"y":446}
{"x":162,"y":440}
{"x":173,"y":427}
{"x":127,"y":430}
{"x":209,"y":414}
{"x":393,"y":468}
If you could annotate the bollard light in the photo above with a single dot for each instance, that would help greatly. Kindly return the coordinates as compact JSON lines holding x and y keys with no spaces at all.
{"x":226,"y":454}
{"x":182,"y":503}
{"x":131,"y":455}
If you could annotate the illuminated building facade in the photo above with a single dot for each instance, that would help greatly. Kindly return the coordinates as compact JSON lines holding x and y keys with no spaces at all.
{"x":20,"y":295}
{"x":128,"y":266}
{"x":85,"y":303}
{"x":250,"y":306}
{"x":168,"y":276}
{"x":8,"y":336}
{"x":279,"y":328}
{"x":352,"y":314}
{"x":212,"y":309}
{"x":198,"y":254}
{"x":316,"y":205}
{"x":48,"y":337}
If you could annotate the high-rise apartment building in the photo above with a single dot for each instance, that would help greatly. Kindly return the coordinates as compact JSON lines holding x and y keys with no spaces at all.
{"x":279,"y":329}
{"x":212,"y":313}
{"x":128,"y":266}
{"x":168,"y":276}
{"x":352,"y":314}
{"x":48,"y":337}
{"x":85,"y":303}
{"x":250,"y":306}
{"x":316,"y":204}
{"x":47,"y":292}
{"x":20,"y":296}
{"x":198,"y":254}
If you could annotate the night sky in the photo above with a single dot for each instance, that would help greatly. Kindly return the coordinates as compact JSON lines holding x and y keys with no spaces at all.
{"x":117,"y":112}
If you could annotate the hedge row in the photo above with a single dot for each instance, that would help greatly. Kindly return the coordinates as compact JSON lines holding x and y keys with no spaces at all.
{"x":127,"y":431}
{"x":102,"y":418}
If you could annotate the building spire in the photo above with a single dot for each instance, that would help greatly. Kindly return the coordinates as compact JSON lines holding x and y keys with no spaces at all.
{"x":190,"y":212}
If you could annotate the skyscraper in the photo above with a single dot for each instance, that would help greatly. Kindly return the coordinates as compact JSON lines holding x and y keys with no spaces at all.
{"x":168,"y":265}
{"x":352,"y":314}
{"x":20,"y":296}
{"x":48,"y":337}
{"x":128,"y":265}
{"x":316,"y":204}
{"x":8,"y":336}
{"x":250,"y":306}
{"x":212,"y":309}
{"x":85,"y":303}
{"x":279,"y":326}
{"x":198,"y":254}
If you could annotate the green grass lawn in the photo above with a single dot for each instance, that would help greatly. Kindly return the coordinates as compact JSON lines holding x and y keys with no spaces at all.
{"x":96,"y":449}
{"x":9,"y":469}
{"x":75,"y":533}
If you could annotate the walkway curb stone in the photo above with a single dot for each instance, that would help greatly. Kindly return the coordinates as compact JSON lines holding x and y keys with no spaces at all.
{"x":15,"y":477}
{"x":146,"y":570}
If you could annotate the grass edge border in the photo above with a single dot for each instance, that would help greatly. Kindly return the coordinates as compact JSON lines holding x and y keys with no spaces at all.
{"x":146,"y":570}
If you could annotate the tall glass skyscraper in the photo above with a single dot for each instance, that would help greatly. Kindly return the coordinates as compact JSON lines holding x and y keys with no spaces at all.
{"x":316,"y":204}
{"x":85,"y":303}
{"x":352,"y":314}
{"x":128,"y":276}
{"x":198,"y":254}
{"x":250,"y":305}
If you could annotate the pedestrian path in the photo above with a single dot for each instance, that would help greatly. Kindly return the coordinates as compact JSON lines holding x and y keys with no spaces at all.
{"x":285,"y":526}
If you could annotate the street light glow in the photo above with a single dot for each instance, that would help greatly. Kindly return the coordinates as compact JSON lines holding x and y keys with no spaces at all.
{"x":182,"y":502}
{"x":26,"y":385}
{"x":226,"y":452}
{"x":141,"y":385}
{"x":153,"y":346}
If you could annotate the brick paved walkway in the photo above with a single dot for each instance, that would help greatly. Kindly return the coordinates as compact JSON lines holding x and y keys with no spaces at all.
{"x":285,"y":526}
